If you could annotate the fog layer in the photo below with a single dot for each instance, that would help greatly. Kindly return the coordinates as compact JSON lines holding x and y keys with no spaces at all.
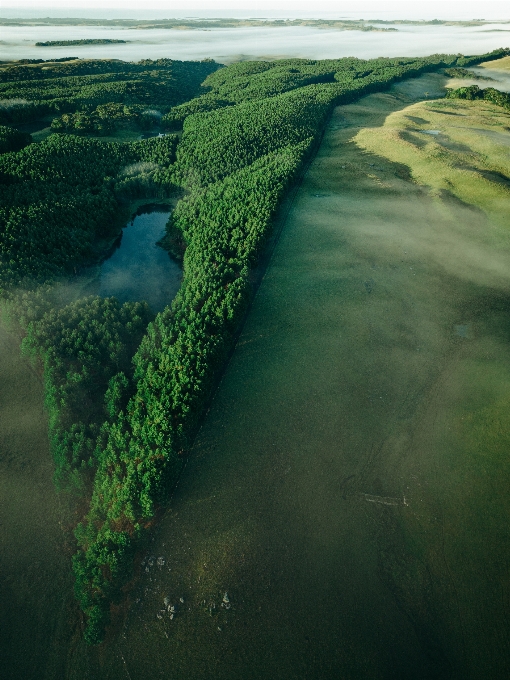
{"x":225,"y":45}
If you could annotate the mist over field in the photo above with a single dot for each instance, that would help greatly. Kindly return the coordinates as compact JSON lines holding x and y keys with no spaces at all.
{"x":239,"y":43}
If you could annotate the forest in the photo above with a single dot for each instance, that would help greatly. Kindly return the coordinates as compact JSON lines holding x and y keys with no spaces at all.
{"x":30,"y":91}
{"x":126,"y":389}
{"x":85,"y":41}
{"x":473,"y":92}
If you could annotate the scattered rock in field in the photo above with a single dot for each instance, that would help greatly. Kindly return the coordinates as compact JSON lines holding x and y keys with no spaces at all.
{"x":226,"y":601}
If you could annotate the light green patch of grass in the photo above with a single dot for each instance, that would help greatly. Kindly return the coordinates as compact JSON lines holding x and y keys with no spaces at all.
{"x":498,"y":64}
{"x":468,"y":158}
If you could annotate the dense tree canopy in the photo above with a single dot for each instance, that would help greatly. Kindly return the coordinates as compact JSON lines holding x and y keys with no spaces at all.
{"x":59,"y":200}
{"x":474,"y":92}
{"x":28,"y":91}
{"x":86,"y":348}
{"x":12,"y":140}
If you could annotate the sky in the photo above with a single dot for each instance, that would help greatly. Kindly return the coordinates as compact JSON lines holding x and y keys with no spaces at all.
{"x":491,"y":9}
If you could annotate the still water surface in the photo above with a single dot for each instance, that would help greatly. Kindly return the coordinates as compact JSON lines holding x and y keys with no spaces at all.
{"x":139,"y":269}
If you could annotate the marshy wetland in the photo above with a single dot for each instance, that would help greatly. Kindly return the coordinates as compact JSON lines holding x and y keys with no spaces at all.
{"x":346,"y":496}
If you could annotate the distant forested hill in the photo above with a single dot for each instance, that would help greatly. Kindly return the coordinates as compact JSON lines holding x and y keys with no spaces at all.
{"x":87,"y":41}
{"x":31,"y":90}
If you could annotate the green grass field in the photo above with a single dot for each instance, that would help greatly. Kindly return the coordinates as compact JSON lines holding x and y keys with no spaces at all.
{"x":37,"y":601}
{"x":456,"y":148}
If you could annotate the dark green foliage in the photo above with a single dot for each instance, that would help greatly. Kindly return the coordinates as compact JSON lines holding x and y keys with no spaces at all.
{"x":246,"y":81}
{"x":246,"y":132}
{"x":117,"y":394}
{"x":30,"y":91}
{"x":86,"y":349}
{"x":236,"y":161}
{"x":86,"y":41}
{"x":152,"y":175}
{"x":474,"y":92}
{"x":217,"y":143}
{"x":480,"y":58}
{"x":106,"y":118}
{"x":177,"y":363}
{"x":208,"y":102}
{"x":21,"y":307}
{"x":464,"y":73}
{"x":54,"y":203}
{"x":243,"y":142}
{"x":159,"y":149}
{"x":58,"y":200}
{"x":13,"y":140}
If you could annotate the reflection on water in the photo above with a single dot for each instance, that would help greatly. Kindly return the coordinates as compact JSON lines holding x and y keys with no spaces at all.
{"x":139,"y":269}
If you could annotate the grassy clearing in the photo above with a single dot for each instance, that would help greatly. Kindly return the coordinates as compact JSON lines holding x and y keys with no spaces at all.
{"x":449,"y":571}
{"x":497,"y":64}
{"x":458,"y":149}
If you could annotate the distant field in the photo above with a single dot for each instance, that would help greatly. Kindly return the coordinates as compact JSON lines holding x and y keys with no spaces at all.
{"x":498,"y":64}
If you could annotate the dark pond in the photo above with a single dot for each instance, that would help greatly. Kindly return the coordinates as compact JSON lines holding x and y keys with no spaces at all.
{"x":139,"y":269}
